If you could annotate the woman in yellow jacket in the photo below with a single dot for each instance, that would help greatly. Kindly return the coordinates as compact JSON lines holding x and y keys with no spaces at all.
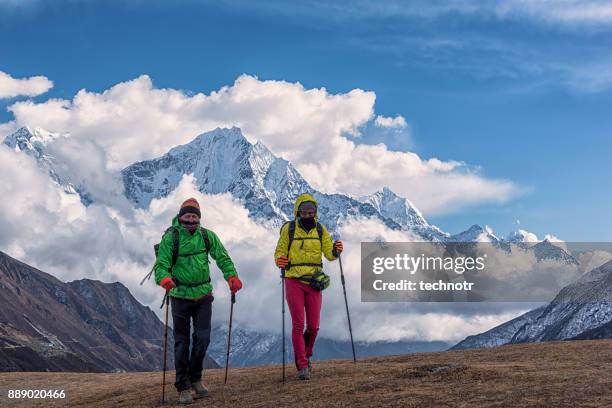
{"x":299,"y":249}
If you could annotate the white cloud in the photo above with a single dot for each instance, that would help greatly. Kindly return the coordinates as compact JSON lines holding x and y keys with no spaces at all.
{"x":51,"y":230}
{"x":562,"y":12}
{"x":54,"y":232}
{"x":433,"y":326}
{"x":556,"y":241}
{"x":7,"y":128}
{"x":593,"y":259}
{"x":559,"y":12}
{"x":134,"y":121}
{"x":590,"y":76}
{"x":396,"y":122}
{"x":395,"y":321}
{"x":528,"y":236}
{"x":32,"y":86}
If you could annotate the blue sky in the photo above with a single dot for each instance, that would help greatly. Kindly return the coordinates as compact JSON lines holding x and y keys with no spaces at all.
{"x":523,"y":92}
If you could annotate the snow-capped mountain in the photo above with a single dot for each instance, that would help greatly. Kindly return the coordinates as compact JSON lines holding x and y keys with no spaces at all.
{"x":223,"y":160}
{"x":476,"y":233}
{"x":548,"y":250}
{"x":32,"y":141}
{"x":35,"y":142}
{"x":581,"y":310}
{"x":524,"y":240}
{"x":522,"y":237}
{"x":401,"y":210}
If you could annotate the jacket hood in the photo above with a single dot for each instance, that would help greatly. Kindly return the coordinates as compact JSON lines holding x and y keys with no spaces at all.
{"x":302,"y":199}
{"x":176,"y":222}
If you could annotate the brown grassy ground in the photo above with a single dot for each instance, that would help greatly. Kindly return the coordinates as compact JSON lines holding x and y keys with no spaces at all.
{"x":559,"y":374}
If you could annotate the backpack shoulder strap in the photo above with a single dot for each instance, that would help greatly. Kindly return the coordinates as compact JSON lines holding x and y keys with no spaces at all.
{"x":206,"y":239}
{"x":320,"y":233}
{"x":175,"y":244}
{"x":290,"y":232}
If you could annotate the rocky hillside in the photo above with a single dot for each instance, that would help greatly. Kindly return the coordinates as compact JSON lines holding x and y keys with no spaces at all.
{"x":84,"y":325}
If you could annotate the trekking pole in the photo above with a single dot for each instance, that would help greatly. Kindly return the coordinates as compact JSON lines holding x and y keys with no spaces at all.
{"x":283,"y":316}
{"x":164,"y":300}
{"x":147,"y":276}
{"x":167,"y":301}
{"x":348,"y":316}
{"x":229,"y":336}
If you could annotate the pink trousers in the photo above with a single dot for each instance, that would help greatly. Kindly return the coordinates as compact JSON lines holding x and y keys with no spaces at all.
{"x":301,"y":297}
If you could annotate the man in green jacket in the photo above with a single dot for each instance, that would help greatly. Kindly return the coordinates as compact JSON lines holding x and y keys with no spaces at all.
{"x":189,"y":287}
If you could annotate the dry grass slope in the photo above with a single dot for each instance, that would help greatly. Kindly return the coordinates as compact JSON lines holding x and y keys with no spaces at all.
{"x":559,"y":374}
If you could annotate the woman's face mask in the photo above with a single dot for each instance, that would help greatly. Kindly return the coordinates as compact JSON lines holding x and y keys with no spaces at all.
{"x":307,"y":213}
{"x":308,"y":223}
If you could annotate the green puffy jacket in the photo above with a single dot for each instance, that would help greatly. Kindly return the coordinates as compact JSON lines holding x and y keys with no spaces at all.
{"x":191,"y":269}
{"x":308,"y":250}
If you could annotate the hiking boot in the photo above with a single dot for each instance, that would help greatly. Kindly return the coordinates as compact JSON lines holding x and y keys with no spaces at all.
{"x":304,"y":374}
{"x":200,"y":390}
{"x":185,"y":397}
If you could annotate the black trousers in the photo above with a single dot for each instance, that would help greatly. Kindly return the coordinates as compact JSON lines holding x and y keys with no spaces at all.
{"x":189,"y":365}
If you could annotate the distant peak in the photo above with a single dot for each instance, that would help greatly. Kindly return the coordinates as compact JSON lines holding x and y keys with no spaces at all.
{"x":225,"y":131}
{"x":522,"y":236}
{"x":216,"y":136}
{"x":25,"y":130}
{"x":37,"y":134}
{"x":22,"y":134}
{"x":233,"y":130}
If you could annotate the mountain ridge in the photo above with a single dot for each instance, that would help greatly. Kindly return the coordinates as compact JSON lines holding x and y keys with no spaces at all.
{"x":82,"y":325}
{"x":267,"y":184}
{"x":581,"y":310}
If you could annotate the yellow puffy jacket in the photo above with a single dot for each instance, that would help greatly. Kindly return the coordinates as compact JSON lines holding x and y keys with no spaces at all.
{"x":302,"y":250}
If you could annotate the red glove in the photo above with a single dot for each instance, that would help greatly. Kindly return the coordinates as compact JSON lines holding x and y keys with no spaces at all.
{"x":338,"y":246}
{"x":282,"y":261}
{"x":167,"y":283}
{"x":234,"y":284}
